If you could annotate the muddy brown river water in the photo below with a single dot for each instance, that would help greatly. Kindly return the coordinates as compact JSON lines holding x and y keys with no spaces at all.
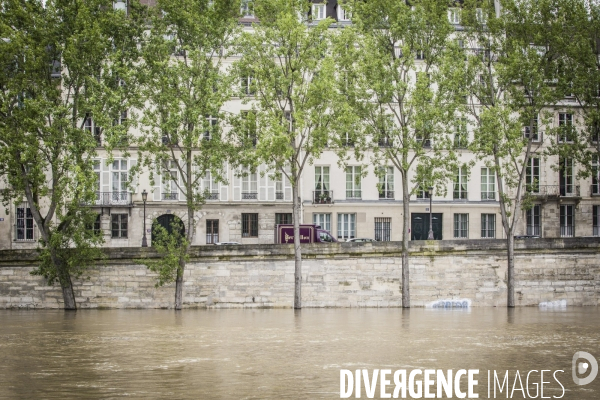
{"x":283,"y":354}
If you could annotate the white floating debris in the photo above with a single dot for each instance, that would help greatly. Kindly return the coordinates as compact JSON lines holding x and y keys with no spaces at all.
{"x":453,"y":303}
{"x":553,"y":304}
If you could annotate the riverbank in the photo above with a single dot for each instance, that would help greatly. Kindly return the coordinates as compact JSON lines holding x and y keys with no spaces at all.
{"x":334,"y":275}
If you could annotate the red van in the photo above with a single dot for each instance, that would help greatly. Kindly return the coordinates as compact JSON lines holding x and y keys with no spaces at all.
{"x":284,"y":233}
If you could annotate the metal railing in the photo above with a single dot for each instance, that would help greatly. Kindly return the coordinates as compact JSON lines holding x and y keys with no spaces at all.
{"x":111,"y":199}
{"x":322,"y":196}
{"x":488,"y":195}
{"x":278,"y":195}
{"x":386,"y":194}
{"x":555,"y":190}
{"x":567,"y":230}
{"x":353,"y":194}
{"x":170,"y":196}
{"x":249,"y":196}
{"x":212,"y":196}
{"x":533,"y":230}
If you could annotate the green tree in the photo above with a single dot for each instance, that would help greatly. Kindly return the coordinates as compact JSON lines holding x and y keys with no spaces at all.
{"x":185,"y":86}
{"x":398,"y":63}
{"x":510,"y":63}
{"x":292,"y":94}
{"x":60,"y":60}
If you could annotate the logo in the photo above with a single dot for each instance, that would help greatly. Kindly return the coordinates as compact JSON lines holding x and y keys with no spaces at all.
{"x":582,"y":367}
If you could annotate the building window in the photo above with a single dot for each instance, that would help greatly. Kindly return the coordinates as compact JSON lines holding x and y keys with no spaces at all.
{"x":567,"y":220}
{"x":247,"y":9}
{"x":566,"y":177}
{"x":250,"y":186}
{"x":283,"y":218}
{"x":532,"y":131}
{"x":118,"y":226}
{"x":96,"y":227}
{"x":90,"y":126}
{"x":480,"y":16}
{"x":122,"y":120}
{"x":346,"y":226}
{"x":532,"y":217}
{"x":170,"y":190}
{"x":383,"y":229}
{"x":342,"y":14}
{"x":120,"y":176}
{"x":323,"y":220}
{"x":565,"y":125}
{"x":454,"y":15}
{"x":347,"y":140}
{"x":488,"y":226}
{"x":247,"y":85}
{"x":321,"y":182}
{"x":24,"y":223}
{"x":461,"y":139}
{"x":386,"y":183}
{"x":461,"y":226}
{"x":211,"y":187}
{"x":422,"y":192}
{"x":460,"y":183}
{"x":596,"y":221}
{"x":212,"y":231}
{"x":532,"y":177}
{"x":250,"y":225}
{"x":249,"y":128}
{"x":211,"y":125}
{"x":488,"y":184}
{"x":353,"y":178}
{"x":318,"y":12}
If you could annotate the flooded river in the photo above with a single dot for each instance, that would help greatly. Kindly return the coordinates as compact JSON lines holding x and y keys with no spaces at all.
{"x":282,"y":354}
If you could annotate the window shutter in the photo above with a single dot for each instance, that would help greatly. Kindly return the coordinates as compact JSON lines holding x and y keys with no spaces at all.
{"x":182,"y":191}
{"x":105,"y":178}
{"x":287,"y":187}
{"x":262,"y":183}
{"x":237,"y":186}
{"x":156,"y":196}
{"x":224,"y":189}
{"x":270,"y":189}
{"x":134,"y":178}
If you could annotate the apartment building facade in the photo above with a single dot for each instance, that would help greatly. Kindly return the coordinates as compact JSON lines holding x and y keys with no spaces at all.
{"x":357,"y":200}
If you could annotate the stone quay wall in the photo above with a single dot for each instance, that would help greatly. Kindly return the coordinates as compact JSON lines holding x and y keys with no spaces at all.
{"x":333,"y":275}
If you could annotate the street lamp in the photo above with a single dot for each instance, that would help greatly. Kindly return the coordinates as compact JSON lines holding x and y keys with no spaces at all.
{"x":430,"y":236}
{"x":144,"y":198}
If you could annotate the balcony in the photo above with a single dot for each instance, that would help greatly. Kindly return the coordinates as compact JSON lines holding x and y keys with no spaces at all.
{"x":249,"y":196}
{"x":554,"y":191}
{"x":488,"y":195}
{"x":386,"y":195}
{"x":112,"y":199}
{"x":170,"y":196}
{"x":353,"y":194}
{"x":278,"y":195}
{"x":322,"y":196}
{"x":212,"y":196}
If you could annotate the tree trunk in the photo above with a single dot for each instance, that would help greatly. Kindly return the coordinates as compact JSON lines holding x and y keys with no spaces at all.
{"x":297,"y":250}
{"x":64,"y":279}
{"x":405,"y":236}
{"x":179,"y":284}
{"x":510,"y":284}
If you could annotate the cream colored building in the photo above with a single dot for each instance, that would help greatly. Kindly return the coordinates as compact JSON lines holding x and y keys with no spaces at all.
{"x":246,"y":209}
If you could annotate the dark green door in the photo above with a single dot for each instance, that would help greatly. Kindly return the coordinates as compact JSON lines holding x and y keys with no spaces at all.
{"x":419,"y":223}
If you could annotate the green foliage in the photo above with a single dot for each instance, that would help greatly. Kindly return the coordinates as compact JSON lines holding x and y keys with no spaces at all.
{"x":61,"y":62}
{"x":172,"y":247}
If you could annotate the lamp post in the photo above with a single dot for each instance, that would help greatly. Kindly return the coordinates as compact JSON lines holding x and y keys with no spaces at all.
{"x":144,"y":198}
{"x":430,"y":235}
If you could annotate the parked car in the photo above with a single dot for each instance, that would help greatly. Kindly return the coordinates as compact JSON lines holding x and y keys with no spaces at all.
{"x":226,"y":243}
{"x":284,"y":233}
{"x":361,"y":240}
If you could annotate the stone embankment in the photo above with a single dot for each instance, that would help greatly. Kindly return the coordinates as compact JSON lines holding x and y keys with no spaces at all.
{"x":334,"y":275}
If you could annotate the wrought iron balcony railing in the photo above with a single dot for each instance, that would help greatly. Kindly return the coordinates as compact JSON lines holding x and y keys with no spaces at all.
{"x":322,"y":196}
{"x":353,"y":194}
{"x":249,"y":196}
{"x":278,"y":195}
{"x":212,"y":196}
{"x":386,"y":195}
{"x":554,"y":190}
{"x":170,"y":196}
{"x":111,"y":199}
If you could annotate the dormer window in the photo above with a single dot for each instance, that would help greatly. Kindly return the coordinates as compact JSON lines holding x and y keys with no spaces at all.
{"x":454,"y":15}
{"x":342,"y":15}
{"x":318,"y":12}
{"x":247,"y":9}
